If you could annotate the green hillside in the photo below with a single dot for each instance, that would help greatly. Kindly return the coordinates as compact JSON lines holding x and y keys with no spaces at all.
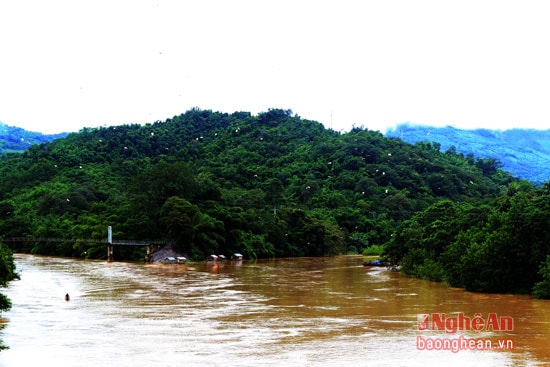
{"x":268,"y":185}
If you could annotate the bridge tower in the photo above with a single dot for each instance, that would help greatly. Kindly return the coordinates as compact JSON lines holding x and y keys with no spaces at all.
{"x":109,"y":244}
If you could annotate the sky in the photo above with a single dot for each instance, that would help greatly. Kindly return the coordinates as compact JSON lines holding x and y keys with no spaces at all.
{"x":65,"y":65}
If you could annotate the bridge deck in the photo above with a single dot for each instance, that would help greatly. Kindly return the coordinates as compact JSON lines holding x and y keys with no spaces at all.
{"x":100,"y":242}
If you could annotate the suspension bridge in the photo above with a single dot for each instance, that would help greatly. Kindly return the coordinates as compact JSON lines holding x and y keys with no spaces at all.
{"x":152,"y":246}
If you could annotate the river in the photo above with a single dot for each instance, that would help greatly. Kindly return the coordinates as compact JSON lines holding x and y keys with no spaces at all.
{"x":281,"y":312}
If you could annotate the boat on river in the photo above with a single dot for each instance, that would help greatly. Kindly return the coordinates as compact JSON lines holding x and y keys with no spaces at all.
{"x":376,"y":263}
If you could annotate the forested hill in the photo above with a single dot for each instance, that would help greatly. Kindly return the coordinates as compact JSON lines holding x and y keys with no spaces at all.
{"x":523,"y":152}
{"x":15,"y":139}
{"x":279,"y":185}
{"x":266,"y":185}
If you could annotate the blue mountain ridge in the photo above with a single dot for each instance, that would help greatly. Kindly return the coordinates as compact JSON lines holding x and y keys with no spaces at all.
{"x":15,"y":139}
{"x":523,"y":152}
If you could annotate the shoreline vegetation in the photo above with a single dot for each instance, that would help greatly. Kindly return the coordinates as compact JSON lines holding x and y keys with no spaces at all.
{"x":7,"y":274}
{"x":277,"y":185}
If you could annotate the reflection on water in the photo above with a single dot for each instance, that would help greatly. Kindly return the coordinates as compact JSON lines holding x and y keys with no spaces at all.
{"x":284,"y":312}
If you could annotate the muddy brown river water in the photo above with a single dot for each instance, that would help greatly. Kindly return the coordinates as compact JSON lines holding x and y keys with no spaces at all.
{"x":284,"y":312}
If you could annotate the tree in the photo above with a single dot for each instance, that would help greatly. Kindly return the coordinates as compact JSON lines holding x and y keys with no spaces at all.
{"x":7,"y":273}
{"x":161,"y":181}
{"x":488,"y":166}
{"x":274,"y":190}
{"x":179,"y":217}
{"x":542,"y":288}
{"x":208,"y":237}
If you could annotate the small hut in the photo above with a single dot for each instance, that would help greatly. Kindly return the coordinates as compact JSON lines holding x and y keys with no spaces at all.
{"x":237,"y":257}
{"x":212,"y":258}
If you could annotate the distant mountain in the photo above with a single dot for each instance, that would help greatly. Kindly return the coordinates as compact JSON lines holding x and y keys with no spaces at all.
{"x":523,"y":152}
{"x":15,"y":139}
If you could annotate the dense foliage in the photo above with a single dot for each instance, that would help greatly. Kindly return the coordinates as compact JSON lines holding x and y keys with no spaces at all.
{"x":7,"y":273}
{"x":504,"y":247}
{"x":268,"y":185}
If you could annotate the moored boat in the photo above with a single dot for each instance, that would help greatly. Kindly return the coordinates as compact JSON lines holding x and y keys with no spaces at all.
{"x":375,"y":263}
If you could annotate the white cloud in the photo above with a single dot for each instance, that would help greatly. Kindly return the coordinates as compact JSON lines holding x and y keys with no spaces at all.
{"x":70,"y":64}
